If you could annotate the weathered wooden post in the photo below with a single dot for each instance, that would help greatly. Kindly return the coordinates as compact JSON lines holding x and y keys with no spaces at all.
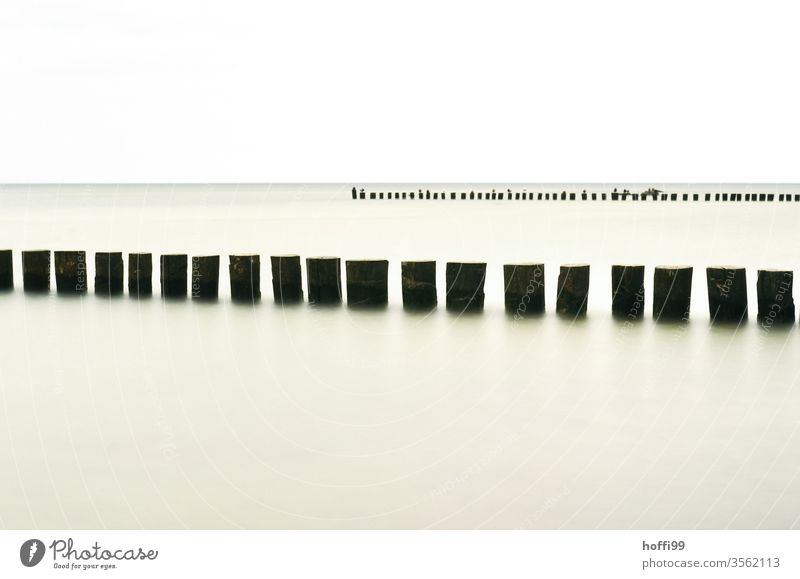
{"x":70,"y":269}
{"x":775,"y":300}
{"x":627,"y":291}
{"x":109,"y":273}
{"x":36,"y":270}
{"x":173,"y":275}
{"x":324,"y":276}
{"x":419,"y":284}
{"x":287,"y":279}
{"x":140,"y":274}
{"x":6,"y":269}
{"x":245,"y":274}
{"x":524,"y":293}
{"x":672,"y":292}
{"x":205,"y":277}
{"x":464,"y":283}
{"x":573,"y":289}
{"x":727,"y":293}
{"x":367,"y":282}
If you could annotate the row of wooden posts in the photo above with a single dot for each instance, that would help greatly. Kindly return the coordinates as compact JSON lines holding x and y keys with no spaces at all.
{"x":584,"y":196}
{"x":367,"y":283}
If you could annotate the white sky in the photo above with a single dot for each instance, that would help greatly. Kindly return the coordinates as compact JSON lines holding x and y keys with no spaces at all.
{"x":348,"y":91}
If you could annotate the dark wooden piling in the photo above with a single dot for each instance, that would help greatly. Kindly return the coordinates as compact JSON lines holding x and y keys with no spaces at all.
{"x":367,"y":282}
{"x":464,"y":284}
{"x":287,"y":279}
{"x":6,"y":269}
{"x":140,"y":274}
{"x":36,"y":270}
{"x":774,"y":288}
{"x":727,"y":293}
{"x":205,"y":277}
{"x":419,"y":284}
{"x":524,"y":288}
{"x":573,"y":289}
{"x":672,"y":292}
{"x":245,"y":274}
{"x":109,"y":273}
{"x":173,"y":275}
{"x":70,"y":267}
{"x":627,"y":291}
{"x":324,"y":277}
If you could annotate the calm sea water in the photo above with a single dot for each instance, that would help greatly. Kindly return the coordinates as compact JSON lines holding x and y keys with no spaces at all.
{"x":124,"y":414}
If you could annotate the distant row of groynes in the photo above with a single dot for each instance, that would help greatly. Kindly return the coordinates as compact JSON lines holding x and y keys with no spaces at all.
{"x":510,"y":195}
{"x":367,"y":283}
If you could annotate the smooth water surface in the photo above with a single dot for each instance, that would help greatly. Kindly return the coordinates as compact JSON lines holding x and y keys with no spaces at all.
{"x":121,"y":413}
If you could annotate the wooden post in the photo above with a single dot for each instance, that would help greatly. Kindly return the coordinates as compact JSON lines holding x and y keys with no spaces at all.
{"x":245,"y":274}
{"x":109,"y":273}
{"x":6,"y":269}
{"x":727,"y":293}
{"x":524,"y":293}
{"x":367,"y":282}
{"x":464,"y":284}
{"x":775,"y":301}
{"x":36,"y":270}
{"x":140,"y":274}
{"x":173,"y":275}
{"x":287,"y":278}
{"x":324,"y":276}
{"x":573,"y":289}
{"x":627,"y":291}
{"x":419,"y":284}
{"x":70,"y":269}
{"x":205,"y":277}
{"x":672,"y":292}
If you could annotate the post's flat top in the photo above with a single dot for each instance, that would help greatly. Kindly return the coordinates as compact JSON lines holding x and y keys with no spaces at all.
{"x":35,"y":251}
{"x":525,"y":264}
{"x":673,"y":267}
{"x":250,"y":255}
{"x":575,"y":265}
{"x":466,"y":263}
{"x":286,"y":256}
{"x":367,"y":261}
{"x":321,"y":257}
{"x":203,"y":256}
{"x":174,"y":255}
{"x":734,"y":267}
{"x":775,"y":270}
{"x":412,"y":261}
{"x":628,"y":265}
